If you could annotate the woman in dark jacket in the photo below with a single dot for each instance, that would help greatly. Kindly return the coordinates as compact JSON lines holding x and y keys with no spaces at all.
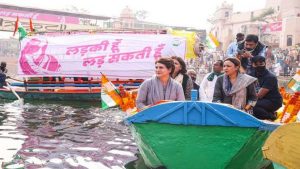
{"x":235,"y":88}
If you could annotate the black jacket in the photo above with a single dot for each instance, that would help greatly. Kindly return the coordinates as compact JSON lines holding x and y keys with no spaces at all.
{"x":219,"y":94}
{"x":257,"y":50}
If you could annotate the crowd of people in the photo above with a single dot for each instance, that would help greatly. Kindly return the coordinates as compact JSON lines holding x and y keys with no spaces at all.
{"x":284,"y":62}
{"x":281,"y":62}
{"x":241,"y":80}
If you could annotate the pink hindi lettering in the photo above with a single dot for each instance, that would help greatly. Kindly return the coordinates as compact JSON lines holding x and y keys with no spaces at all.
{"x":88,"y":48}
{"x":143,"y":53}
{"x":115,"y":46}
{"x":114,"y":57}
{"x":130,"y":55}
{"x":158,"y":50}
{"x":90,"y":61}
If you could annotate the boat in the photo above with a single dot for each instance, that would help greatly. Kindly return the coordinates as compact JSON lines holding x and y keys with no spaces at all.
{"x":194,"y":134}
{"x":283,"y":146}
{"x":51,"y":95}
{"x":43,"y":90}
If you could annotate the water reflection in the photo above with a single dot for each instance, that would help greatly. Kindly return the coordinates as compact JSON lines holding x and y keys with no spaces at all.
{"x":11,"y":139}
{"x":58,"y":135}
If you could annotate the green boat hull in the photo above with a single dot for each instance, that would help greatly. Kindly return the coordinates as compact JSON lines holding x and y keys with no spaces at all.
{"x":193,"y":135}
{"x":206,"y":147}
{"x":5,"y":94}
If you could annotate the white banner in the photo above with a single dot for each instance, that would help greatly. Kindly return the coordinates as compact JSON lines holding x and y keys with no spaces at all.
{"x":115,"y":55}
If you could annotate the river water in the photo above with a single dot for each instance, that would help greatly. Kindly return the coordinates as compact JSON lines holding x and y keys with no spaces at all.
{"x":63,"y":135}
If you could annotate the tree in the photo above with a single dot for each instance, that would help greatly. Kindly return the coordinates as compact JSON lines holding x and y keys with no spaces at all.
{"x":263,"y":16}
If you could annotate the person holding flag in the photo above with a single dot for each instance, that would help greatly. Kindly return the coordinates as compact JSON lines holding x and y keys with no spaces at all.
{"x":161,"y":86}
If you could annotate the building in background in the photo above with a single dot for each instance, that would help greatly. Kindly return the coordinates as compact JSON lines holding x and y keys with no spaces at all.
{"x":129,"y":20}
{"x":276,"y":24}
{"x":290,"y":14}
{"x":9,"y":47}
{"x":135,"y":20}
{"x":45,"y":20}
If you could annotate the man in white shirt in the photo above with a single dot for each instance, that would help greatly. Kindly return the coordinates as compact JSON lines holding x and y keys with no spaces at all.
{"x":207,"y":85}
{"x":232,"y":48}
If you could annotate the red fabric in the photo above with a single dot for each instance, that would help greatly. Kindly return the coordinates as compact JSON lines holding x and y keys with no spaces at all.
{"x":31,"y":25}
{"x":16,"y":25}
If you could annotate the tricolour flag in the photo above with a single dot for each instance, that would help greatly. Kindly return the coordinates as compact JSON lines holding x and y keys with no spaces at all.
{"x":211,"y":41}
{"x":22,"y":32}
{"x":110,"y":96}
{"x":294,"y":83}
{"x":21,"y":29}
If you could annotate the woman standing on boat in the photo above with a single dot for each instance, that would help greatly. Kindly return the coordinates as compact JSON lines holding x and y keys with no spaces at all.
{"x":180,"y":75}
{"x":234,"y":87}
{"x":161,"y":86}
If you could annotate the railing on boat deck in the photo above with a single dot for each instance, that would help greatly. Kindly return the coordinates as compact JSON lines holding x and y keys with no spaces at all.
{"x":77,"y":85}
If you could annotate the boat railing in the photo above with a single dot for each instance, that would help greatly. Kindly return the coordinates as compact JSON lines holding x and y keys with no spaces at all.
{"x":77,"y":84}
{"x":71,"y":87}
{"x":83,"y":82}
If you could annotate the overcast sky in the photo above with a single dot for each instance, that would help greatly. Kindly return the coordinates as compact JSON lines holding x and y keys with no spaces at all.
{"x":190,"y":13}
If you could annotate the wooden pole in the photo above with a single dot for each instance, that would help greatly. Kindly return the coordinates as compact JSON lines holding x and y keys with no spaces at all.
{"x":25,"y":84}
